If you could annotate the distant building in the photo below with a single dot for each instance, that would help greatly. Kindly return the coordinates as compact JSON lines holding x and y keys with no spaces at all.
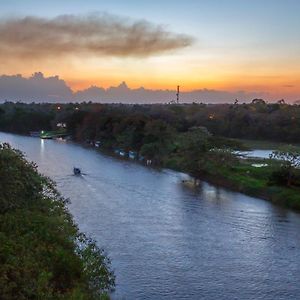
{"x":61,"y":125}
{"x":132,"y":154}
{"x":98,"y":144}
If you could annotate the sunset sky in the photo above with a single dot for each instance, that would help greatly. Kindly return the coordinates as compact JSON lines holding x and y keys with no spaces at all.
{"x":228,"y":45}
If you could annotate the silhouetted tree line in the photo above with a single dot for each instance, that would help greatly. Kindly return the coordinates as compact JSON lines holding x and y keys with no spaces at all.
{"x":257,"y":120}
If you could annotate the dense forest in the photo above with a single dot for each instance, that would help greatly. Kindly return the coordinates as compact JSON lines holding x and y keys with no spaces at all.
{"x":42,"y":253}
{"x":258,"y":120}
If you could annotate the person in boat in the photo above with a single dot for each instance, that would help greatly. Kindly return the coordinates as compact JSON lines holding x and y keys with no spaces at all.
{"x":76,"y":171}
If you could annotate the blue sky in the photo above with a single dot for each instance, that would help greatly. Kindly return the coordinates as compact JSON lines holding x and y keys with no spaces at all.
{"x":232,"y":14}
{"x":232,"y":36}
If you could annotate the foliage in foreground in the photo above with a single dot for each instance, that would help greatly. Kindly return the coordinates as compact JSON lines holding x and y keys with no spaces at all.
{"x":42,"y":253}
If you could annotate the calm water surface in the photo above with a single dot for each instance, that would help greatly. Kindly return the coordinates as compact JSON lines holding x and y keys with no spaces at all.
{"x":167,"y":241}
{"x":257,"y":153}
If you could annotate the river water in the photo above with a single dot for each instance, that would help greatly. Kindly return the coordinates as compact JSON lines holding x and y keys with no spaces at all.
{"x":264,"y":154}
{"x":168,"y":241}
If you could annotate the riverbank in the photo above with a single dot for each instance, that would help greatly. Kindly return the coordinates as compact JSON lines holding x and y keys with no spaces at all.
{"x":254,"y":182}
{"x":264,"y":145}
{"x":241,"y":176}
{"x":42,"y":253}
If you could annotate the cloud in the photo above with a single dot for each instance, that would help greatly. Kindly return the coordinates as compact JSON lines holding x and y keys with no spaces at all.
{"x":35,"y":88}
{"x":39,"y":88}
{"x":124,"y":94}
{"x":97,"y":34}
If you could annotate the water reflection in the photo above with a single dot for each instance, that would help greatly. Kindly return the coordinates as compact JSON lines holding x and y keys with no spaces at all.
{"x":42,"y":148}
{"x":168,"y":241}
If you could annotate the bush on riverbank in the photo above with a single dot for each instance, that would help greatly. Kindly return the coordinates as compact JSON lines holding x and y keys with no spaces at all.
{"x":253,"y":181}
{"x":42,"y":254}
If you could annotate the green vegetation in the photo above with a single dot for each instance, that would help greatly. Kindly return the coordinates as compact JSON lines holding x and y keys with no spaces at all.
{"x":276,"y":122}
{"x":195,"y":138}
{"x":42,"y":254}
{"x":258,"y":182}
{"x":288,"y":171}
{"x":20,"y":118}
{"x":263,"y":145}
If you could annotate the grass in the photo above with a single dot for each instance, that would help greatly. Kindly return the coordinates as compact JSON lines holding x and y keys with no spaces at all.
{"x":254,"y":181}
{"x":263,"y":145}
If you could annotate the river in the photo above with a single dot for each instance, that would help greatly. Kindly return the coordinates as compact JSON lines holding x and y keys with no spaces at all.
{"x":167,"y":241}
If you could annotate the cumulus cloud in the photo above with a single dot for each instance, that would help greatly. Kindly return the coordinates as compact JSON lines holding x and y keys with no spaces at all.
{"x":123,"y":93}
{"x":98,"y":34}
{"x":39,"y":88}
{"x":36,"y":88}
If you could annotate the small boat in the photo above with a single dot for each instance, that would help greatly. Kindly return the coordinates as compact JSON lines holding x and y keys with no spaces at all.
{"x":76,"y":171}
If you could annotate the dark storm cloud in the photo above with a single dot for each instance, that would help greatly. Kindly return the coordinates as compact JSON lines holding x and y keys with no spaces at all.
{"x":98,"y":34}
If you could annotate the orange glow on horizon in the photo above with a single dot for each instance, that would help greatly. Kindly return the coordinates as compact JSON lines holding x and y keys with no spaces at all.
{"x":161,"y":74}
{"x":248,"y":84}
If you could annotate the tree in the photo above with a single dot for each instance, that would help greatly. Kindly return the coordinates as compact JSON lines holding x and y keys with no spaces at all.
{"x":289,"y":158}
{"x":259,"y":101}
{"x":192,"y":146}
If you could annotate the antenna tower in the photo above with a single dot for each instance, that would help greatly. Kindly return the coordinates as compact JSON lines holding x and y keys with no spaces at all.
{"x":177,"y":94}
